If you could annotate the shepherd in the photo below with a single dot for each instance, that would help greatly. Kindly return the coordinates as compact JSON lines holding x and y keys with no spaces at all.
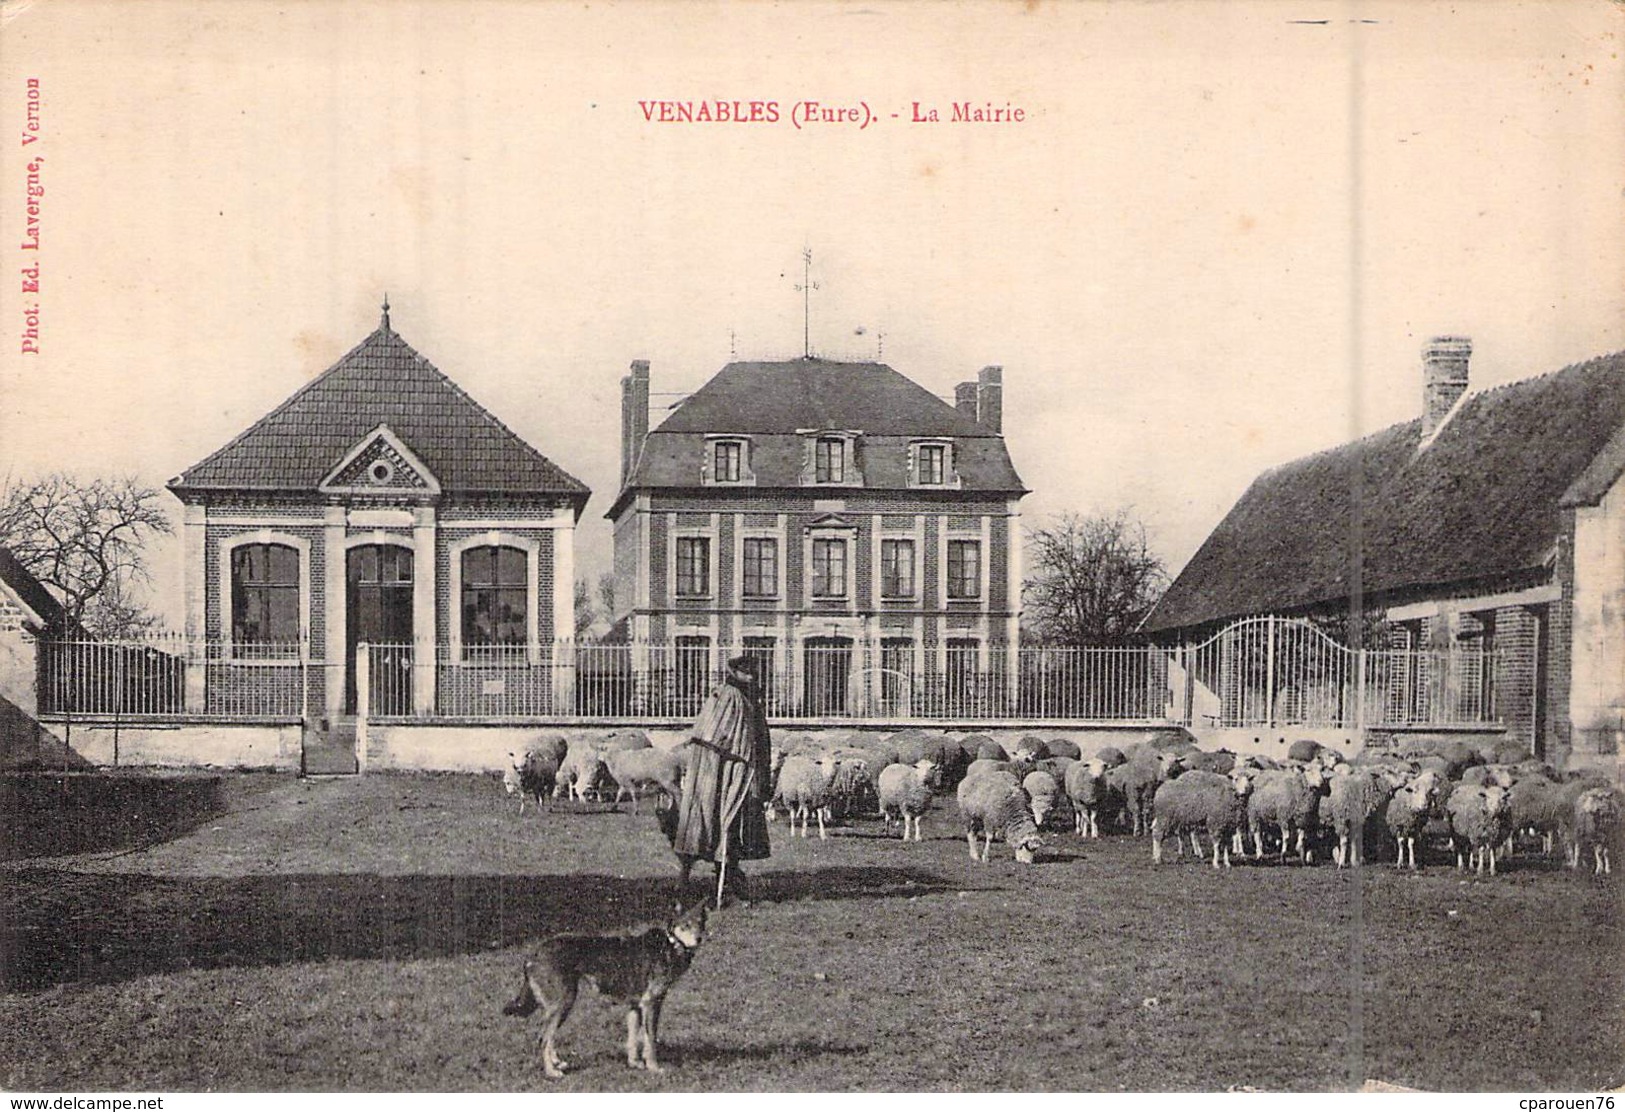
{"x":722,"y":816}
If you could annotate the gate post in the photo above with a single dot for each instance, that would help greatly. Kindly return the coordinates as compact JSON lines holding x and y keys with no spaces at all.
{"x":1359,"y":696}
{"x":363,"y":702}
{"x":1269,"y":680}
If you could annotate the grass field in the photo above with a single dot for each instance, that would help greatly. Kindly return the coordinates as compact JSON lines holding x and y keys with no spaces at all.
{"x":363,"y":934}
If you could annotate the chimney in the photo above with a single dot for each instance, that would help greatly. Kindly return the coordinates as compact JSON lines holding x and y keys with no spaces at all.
{"x":1444,"y":378}
{"x":965,"y":399}
{"x":990,"y":398}
{"x":634,"y":416}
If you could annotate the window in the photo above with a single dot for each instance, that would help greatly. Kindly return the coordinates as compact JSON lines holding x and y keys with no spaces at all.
{"x":829,"y":460}
{"x":932,"y":464}
{"x":964,"y":569}
{"x":761,"y":572}
{"x":897,"y":569}
{"x":829,"y":569}
{"x":726,"y":458}
{"x":264,"y":594}
{"x":496,"y":595}
{"x":693,"y":567}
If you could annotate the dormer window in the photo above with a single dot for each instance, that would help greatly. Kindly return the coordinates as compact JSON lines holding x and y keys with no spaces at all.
{"x":727,"y":461}
{"x":727,"y":456}
{"x":931,"y":464}
{"x":829,"y":460}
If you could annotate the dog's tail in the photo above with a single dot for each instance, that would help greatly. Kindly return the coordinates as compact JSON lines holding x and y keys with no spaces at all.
{"x":525,"y":1003}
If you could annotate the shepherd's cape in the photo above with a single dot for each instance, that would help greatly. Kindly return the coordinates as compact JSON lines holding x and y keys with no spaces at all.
{"x":725,"y":780}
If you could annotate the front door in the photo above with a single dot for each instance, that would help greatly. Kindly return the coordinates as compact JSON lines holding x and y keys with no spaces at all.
{"x":378,"y":610}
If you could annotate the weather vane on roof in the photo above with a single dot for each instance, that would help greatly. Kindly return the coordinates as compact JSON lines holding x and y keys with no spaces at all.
{"x":386,"y":312}
{"x":806,"y":287}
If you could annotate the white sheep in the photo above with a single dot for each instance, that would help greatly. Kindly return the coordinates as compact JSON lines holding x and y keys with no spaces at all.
{"x":1480,"y":820}
{"x":1410,"y":809}
{"x":1289,"y":799}
{"x":532,"y":773}
{"x":906,"y":789}
{"x":1086,"y":787}
{"x":994,"y":804}
{"x":581,"y":770}
{"x":1354,"y":797}
{"x":645,"y":768}
{"x":1043,"y":791}
{"x":1200,"y":800}
{"x":1597,"y":826}
{"x":804,"y":789}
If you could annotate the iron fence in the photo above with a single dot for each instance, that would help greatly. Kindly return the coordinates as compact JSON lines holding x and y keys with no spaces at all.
{"x":1259,"y":672}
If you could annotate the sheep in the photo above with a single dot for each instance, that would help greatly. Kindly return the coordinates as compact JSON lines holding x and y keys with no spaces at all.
{"x":1304,"y":750}
{"x":1200,"y":800}
{"x":634,"y":768}
{"x":851,"y":789}
{"x":1031,"y":748}
{"x":1110,"y":756}
{"x":1545,"y":808}
{"x":906,"y":789}
{"x":1064,"y":747}
{"x":1353,"y":799}
{"x":1287,"y":798}
{"x":804,"y":788}
{"x":1042,"y":791}
{"x":984,"y":748}
{"x":555,"y":746}
{"x":1482,"y":776}
{"x":532,"y":773}
{"x":1410,"y":809}
{"x":983,"y":765}
{"x":581,"y":770}
{"x":1596,"y":825}
{"x":994,"y":804}
{"x":1057,"y":766}
{"x":624,"y":739}
{"x":1220,"y":761}
{"x":1138,"y":780}
{"x":1480,"y":820}
{"x":1086,"y":786}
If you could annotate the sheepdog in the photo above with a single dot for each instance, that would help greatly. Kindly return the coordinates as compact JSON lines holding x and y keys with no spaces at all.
{"x":635,"y":968}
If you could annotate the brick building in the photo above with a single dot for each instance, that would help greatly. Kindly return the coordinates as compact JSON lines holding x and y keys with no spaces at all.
{"x":1495,"y":520}
{"x":378,"y":504}
{"x":837,"y":519}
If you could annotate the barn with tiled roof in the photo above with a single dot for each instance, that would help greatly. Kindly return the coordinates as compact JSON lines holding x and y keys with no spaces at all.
{"x":380,"y":504}
{"x":1497,"y":517}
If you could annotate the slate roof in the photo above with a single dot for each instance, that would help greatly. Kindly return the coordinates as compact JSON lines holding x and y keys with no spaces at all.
{"x":32,"y":592}
{"x":382,"y":380}
{"x":1483,"y":499}
{"x":771,"y":401}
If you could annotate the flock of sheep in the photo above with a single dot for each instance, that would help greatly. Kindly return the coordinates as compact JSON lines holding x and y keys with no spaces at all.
{"x":1480,"y":801}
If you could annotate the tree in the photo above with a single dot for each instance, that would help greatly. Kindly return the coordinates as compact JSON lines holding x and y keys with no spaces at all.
{"x":1093,"y":578}
{"x":606,"y":595}
{"x":84,"y":540}
{"x":585,"y":615}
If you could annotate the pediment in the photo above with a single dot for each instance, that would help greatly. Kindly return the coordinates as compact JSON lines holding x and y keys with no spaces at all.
{"x":832,"y":521}
{"x":380,"y":463}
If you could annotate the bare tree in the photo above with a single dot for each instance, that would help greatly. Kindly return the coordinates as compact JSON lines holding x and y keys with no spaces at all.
{"x":1094,"y":577}
{"x":84,"y":538}
{"x":585,"y":614}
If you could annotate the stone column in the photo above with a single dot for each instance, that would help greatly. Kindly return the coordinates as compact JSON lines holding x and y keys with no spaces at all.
{"x":333,"y":589}
{"x":425,"y":635}
{"x":194,"y":585}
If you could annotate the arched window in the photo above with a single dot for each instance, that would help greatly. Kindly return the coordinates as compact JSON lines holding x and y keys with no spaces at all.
{"x":495,"y":595}
{"x":265,"y":595}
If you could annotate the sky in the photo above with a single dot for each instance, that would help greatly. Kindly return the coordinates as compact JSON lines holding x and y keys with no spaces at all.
{"x":1215,"y":242}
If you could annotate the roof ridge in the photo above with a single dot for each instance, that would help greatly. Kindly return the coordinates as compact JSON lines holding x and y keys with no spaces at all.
{"x":284,"y":404}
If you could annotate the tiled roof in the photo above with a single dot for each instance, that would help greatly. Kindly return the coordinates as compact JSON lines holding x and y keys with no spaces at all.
{"x":772,"y":402}
{"x":816,"y":393}
{"x":31,"y":591}
{"x":1483,"y":499}
{"x":381,"y":381}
